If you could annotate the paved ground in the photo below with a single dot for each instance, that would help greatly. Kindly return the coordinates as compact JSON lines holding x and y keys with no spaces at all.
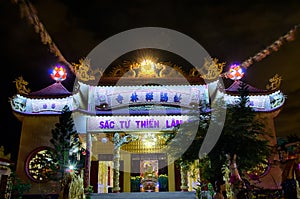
{"x":145,"y":195}
{"x":132,"y":195}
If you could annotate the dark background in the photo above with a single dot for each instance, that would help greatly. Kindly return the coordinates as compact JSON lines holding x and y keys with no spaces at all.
{"x":231,"y":31}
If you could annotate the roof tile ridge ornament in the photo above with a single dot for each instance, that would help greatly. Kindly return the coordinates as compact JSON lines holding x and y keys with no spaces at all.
{"x":84,"y":72}
{"x":275,"y":83}
{"x":4,"y":155}
{"x":146,"y":68}
{"x":212,"y":68}
{"x":21,"y":86}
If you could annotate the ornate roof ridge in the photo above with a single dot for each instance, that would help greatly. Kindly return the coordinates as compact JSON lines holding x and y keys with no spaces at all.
{"x":129,"y":81}
{"x":153,"y":84}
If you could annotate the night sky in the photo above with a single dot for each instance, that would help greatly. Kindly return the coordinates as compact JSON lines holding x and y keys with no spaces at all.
{"x":231,"y":31}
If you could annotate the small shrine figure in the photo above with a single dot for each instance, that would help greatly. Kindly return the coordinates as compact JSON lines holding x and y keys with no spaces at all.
{"x":150,"y":177}
{"x":149,"y":171}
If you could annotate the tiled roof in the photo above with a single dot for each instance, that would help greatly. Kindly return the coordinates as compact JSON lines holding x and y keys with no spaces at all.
{"x":56,"y":90}
{"x":233,"y":88}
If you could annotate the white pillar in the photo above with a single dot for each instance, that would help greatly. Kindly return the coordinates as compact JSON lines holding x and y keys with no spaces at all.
{"x":116,"y":174}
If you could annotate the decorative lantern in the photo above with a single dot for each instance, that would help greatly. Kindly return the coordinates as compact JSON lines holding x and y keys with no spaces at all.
{"x":235,"y":72}
{"x":59,"y":74}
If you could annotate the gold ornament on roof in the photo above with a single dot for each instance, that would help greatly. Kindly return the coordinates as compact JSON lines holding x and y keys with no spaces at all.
{"x":213,"y":68}
{"x":21,"y":86}
{"x":84,"y":72}
{"x":123,"y":70}
{"x":274,"y":82}
{"x":147,"y":68}
{"x":2,"y":155}
{"x":171,"y":70}
{"x":144,"y":68}
{"x":194,"y":73}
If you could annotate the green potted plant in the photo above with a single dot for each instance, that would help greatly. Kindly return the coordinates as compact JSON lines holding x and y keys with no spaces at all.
{"x":135,"y":182}
{"x":89,"y":191}
{"x":163,"y":182}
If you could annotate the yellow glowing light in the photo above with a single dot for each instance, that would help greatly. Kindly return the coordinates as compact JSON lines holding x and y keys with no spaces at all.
{"x":147,"y":62}
{"x":149,"y":140}
{"x":147,"y":68}
{"x":59,"y":73}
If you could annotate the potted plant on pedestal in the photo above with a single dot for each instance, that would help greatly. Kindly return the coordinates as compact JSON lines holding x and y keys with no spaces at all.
{"x":163,"y":182}
{"x":135,"y":182}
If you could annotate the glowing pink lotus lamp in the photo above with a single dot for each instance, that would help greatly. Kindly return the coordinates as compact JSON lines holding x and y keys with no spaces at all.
{"x":59,"y":73}
{"x":235,"y":72}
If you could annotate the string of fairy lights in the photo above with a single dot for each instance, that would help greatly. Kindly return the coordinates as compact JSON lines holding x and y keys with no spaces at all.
{"x":289,"y":36}
{"x":235,"y":72}
{"x":28,"y":11}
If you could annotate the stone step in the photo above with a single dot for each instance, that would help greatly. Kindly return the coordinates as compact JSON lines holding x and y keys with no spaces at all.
{"x":145,"y":195}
